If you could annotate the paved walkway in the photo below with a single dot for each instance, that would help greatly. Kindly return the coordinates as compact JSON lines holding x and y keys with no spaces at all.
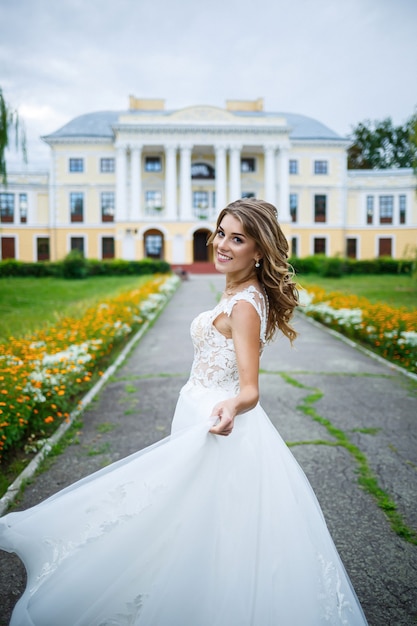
{"x":321,"y":392}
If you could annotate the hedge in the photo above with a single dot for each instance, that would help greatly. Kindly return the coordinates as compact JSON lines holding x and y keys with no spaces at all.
{"x":339,"y":266}
{"x":75,"y":266}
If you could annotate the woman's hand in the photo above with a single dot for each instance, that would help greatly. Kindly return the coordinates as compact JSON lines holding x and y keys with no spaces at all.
{"x":245,"y":326}
{"x":226,"y":413}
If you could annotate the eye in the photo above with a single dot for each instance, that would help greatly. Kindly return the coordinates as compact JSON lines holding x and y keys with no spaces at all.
{"x":220,"y":233}
{"x":238,"y":240}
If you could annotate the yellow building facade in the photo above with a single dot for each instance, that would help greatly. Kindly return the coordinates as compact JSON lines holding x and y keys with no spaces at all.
{"x":149,"y":182}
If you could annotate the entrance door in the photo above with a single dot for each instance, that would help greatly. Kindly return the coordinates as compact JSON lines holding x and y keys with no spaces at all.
{"x":202,"y":252}
{"x":385,"y":246}
{"x":8,"y":250}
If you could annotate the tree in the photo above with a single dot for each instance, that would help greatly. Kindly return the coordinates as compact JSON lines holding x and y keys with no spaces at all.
{"x":10,"y":122}
{"x":413,"y":140}
{"x":381,"y":145}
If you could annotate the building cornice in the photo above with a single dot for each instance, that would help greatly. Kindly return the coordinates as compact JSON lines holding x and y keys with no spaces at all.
{"x":337,"y":142}
{"x":205,"y":129}
{"x":54,"y":141}
{"x":400,"y":171}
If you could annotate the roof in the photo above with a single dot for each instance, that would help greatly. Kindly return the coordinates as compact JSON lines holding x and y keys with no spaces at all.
{"x":100,"y":124}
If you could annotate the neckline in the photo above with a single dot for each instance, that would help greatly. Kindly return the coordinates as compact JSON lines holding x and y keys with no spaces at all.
{"x":248,"y":288}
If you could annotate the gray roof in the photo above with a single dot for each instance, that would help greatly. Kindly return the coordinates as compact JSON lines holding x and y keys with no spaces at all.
{"x":100,"y":124}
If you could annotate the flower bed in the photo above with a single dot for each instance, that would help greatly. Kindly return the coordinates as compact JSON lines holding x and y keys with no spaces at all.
{"x":42,"y":376}
{"x":388,"y":331}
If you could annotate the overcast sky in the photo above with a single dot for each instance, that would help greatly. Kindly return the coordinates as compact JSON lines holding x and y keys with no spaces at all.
{"x":339,"y":61}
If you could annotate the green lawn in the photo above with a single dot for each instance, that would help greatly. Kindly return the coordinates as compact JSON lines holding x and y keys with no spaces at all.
{"x":27,"y":304}
{"x":394,"y":290}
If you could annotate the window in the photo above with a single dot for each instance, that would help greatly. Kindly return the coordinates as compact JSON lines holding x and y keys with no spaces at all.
{"x":385,"y":246}
{"x":153,"y":202}
{"x":153,"y":245}
{"x":201,"y":203}
{"x":293,"y":206}
{"x":247,"y":165}
{"x":107,"y":165}
{"x":7,"y":207}
{"x":320,"y":167}
{"x":77,"y":206}
{"x":403,"y":209}
{"x":369,"y":209}
{"x":294,"y":246}
{"x":386,"y":209}
{"x":8,"y":248}
{"x":247,"y":194}
{"x":153,"y":164}
{"x":351,"y":247}
{"x":76,"y":165}
{"x":319,"y":245}
{"x":293,"y":166}
{"x":319,"y":208}
{"x":77,"y":243}
{"x":107,"y":206}
{"x":23,"y":207}
{"x":107,"y":248}
{"x":202,"y":171}
{"x":42,"y":249}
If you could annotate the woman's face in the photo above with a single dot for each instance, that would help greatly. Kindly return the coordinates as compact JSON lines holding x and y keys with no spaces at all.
{"x":233,"y":250}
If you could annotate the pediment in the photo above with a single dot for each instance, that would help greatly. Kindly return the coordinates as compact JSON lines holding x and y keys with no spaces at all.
{"x":202,"y":113}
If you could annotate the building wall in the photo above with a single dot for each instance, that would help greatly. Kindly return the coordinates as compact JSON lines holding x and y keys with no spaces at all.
{"x":173,"y":224}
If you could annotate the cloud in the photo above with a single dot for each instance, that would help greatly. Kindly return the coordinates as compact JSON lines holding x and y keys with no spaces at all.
{"x":338,"y":62}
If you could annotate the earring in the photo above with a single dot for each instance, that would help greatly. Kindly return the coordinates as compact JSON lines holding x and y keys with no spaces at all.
{"x":257,"y":264}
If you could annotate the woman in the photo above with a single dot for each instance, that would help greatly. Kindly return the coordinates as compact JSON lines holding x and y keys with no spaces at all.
{"x":215,"y":525}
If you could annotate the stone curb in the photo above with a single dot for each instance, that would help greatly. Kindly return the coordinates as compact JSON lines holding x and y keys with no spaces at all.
{"x":7,"y":499}
{"x":360,"y":348}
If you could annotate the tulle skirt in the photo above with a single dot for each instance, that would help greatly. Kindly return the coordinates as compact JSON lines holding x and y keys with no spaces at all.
{"x":196,"y":530}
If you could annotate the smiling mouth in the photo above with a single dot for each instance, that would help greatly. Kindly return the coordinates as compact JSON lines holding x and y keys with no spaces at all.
{"x":223,"y":257}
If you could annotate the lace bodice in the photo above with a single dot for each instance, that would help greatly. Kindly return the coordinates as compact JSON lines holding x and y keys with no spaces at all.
{"x":215,"y":362}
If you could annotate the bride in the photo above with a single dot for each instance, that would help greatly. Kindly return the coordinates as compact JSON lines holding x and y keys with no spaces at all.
{"x":215,"y":525}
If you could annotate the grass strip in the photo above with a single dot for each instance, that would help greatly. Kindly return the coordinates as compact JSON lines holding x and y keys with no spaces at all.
{"x":366,"y":477}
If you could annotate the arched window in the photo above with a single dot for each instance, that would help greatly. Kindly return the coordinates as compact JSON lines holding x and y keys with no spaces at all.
{"x":202,"y":171}
{"x":153,"y":241}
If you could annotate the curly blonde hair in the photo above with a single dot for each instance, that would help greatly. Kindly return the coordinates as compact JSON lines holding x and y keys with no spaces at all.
{"x":260,"y":223}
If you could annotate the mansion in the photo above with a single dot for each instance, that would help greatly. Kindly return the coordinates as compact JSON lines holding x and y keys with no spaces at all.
{"x":149,"y":182}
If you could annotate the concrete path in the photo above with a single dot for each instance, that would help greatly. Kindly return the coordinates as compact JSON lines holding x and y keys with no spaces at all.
{"x":329,"y":401}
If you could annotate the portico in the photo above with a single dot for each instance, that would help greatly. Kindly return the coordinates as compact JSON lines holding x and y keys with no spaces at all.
{"x":189,"y":164}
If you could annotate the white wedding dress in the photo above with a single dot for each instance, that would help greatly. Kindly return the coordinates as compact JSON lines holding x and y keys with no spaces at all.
{"x":196,"y":530}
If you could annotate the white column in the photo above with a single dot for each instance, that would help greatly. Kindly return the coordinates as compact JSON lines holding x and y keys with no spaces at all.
{"x":269,"y":152}
{"x":235,"y":190}
{"x":170,"y":182}
{"x":186,"y":206}
{"x":136,"y":183}
{"x":220,"y":152}
{"x":52,"y":213}
{"x":121,"y":184}
{"x":284,"y":186}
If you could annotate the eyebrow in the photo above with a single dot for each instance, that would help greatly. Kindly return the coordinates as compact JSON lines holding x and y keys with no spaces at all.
{"x":239,"y":234}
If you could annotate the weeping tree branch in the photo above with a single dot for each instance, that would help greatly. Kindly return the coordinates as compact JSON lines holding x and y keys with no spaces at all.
{"x":10,"y":122}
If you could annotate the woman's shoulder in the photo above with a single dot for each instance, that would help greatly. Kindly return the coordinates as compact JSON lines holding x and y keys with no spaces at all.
{"x":255,"y":296}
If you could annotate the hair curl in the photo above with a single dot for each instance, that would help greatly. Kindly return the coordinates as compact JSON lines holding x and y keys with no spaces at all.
{"x":260,"y":222}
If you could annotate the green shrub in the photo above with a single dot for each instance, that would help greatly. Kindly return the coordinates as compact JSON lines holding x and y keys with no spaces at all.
{"x":308,"y":264}
{"x":10,"y":267}
{"x":333,"y":267}
{"x":74,"y":265}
